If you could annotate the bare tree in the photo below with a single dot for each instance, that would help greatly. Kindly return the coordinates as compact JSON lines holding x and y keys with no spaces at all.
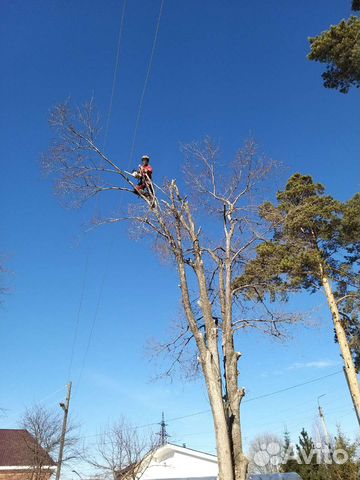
{"x":209,"y":232}
{"x":265,"y":452}
{"x":45,"y":427}
{"x":121,"y":452}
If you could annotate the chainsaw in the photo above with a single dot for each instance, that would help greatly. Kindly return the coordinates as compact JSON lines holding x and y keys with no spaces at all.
{"x":134,"y":173}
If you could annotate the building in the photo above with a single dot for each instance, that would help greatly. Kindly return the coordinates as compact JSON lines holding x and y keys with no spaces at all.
{"x":172,"y":462}
{"x":22,"y":458}
{"x":276,"y":476}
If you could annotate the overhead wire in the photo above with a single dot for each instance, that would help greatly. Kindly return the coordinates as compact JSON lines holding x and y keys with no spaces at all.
{"x":96,"y":313}
{"x":138,"y":117}
{"x":113,"y":86}
{"x":300,"y":407}
{"x":106,"y":132}
{"x":293,"y":386}
{"x":77,"y":322}
{"x":38,"y":402}
{"x":116,"y":68}
{"x":146,"y":81}
{"x":259,"y":397}
{"x":265,"y":395}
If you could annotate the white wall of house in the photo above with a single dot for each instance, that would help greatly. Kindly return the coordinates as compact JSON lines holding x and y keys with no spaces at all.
{"x":173,"y":462}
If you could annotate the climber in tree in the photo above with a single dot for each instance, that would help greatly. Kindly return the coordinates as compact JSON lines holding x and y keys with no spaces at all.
{"x":144,"y":175}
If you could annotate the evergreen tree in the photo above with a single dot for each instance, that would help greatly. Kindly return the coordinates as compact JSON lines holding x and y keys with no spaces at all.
{"x":309,"y":469}
{"x":306,"y":464}
{"x":289,"y":464}
{"x":314,"y":470}
{"x":349,"y":470}
{"x":314,"y":245}
{"x":339,"y":48}
{"x":350,"y":306}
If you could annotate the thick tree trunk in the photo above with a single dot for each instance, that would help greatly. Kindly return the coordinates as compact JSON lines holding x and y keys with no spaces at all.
{"x":223,"y":442}
{"x":235,"y":395}
{"x":210,"y":364}
{"x":231,"y":358}
{"x":225,"y":402}
{"x":344,"y":347}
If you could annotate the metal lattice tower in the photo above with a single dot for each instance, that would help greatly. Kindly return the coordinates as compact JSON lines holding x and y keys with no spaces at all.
{"x":163,"y":435}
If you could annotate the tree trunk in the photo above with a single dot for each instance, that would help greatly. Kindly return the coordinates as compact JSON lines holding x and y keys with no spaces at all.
{"x":231,"y":358}
{"x":235,"y":395}
{"x":223,"y":443}
{"x":344,"y":346}
{"x":210,"y":364}
{"x":225,"y":402}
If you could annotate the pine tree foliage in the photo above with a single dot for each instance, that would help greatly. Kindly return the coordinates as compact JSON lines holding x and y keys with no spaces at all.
{"x":355,"y":5}
{"x":312,"y":233}
{"x":290,"y":465}
{"x":350,"y":470}
{"x":321,"y":470}
{"x":339,"y":48}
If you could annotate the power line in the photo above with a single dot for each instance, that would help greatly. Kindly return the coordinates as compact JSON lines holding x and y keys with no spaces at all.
{"x":138,"y":116}
{"x":132,"y":147}
{"x":259,"y":397}
{"x":77,"y":323}
{"x":51,"y":394}
{"x":121,"y":29}
{"x":107,"y":125}
{"x":97,"y":308}
{"x":293,"y":386}
{"x":38,"y":402}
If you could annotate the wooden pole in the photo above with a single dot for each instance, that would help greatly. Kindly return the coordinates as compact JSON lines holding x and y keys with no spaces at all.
{"x":65,"y":407}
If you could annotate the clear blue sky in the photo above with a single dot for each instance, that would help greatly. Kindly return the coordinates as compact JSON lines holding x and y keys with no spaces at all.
{"x":221,"y":68}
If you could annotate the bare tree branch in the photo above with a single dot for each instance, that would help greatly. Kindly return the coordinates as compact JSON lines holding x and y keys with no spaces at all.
{"x":210,"y":232}
{"x":122,"y":453}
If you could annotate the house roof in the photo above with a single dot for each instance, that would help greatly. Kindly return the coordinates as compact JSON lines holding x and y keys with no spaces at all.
{"x":171,"y":447}
{"x":162,"y":451}
{"x":17,"y":449}
{"x":185,"y":448}
{"x":276,"y":476}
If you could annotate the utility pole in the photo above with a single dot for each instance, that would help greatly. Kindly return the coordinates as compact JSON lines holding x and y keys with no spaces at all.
{"x":356,"y":406}
{"x":65,"y":407}
{"x":163,"y":433}
{"x":323,"y":423}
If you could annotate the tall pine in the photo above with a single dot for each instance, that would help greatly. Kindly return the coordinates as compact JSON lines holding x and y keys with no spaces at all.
{"x":314,"y":246}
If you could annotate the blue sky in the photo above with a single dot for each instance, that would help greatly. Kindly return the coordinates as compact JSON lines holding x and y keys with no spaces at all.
{"x":221,"y":68}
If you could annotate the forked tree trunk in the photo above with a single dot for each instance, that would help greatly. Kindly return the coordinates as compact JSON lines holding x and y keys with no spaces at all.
{"x":232,"y":462}
{"x":344,"y":346}
{"x":234,"y":395}
{"x":223,"y":442}
{"x":225,"y":402}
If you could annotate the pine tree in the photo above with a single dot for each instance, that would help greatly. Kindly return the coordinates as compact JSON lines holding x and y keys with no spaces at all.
{"x":289,"y":464}
{"x":339,"y":48}
{"x":312,"y":470}
{"x":349,"y":470}
{"x":309,"y":469}
{"x":314,"y":245}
